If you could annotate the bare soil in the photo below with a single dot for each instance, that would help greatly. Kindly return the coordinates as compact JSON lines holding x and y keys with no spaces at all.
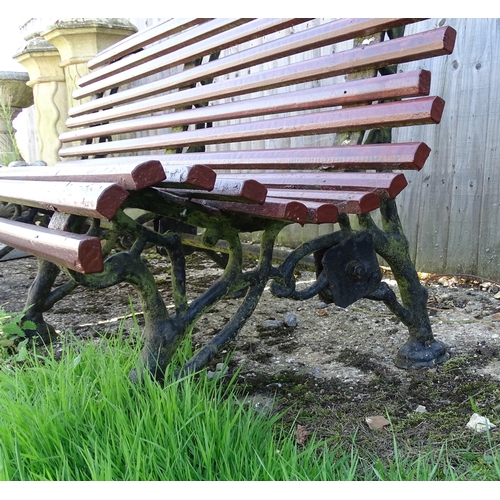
{"x":335,"y":367}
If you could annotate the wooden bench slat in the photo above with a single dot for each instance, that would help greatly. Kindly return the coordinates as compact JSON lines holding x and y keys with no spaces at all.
{"x":174,"y":48}
{"x":350,"y":202}
{"x":405,"y":156}
{"x":411,"y":84}
{"x":290,"y":210}
{"x":189,"y":177}
{"x":315,"y":37}
{"x":173,"y":26}
{"x":423,"y":110}
{"x":130,"y":176}
{"x":78,"y":252}
{"x":285,"y":209}
{"x":385,"y":185}
{"x":319,"y":212}
{"x":100,"y":200}
{"x":240,"y":33}
{"x":246,"y":190}
{"x":127,"y":174}
{"x":413,"y":47}
{"x":138,"y":40}
{"x":132,"y":49}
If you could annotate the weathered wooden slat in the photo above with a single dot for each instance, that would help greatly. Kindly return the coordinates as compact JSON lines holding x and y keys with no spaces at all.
{"x":100,"y":200}
{"x":134,"y":50}
{"x":174,"y":44}
{"x":121,"y":171}
{"x":385,"y":185}
{"x":131,"y":176}
{"x":189,"y":177}
{"x":278,"y":208}
{"x":138,"y":40}
{"x":290,"y":210}
{"x":425,"y":110}
{"x":422,"y":45}
{"x":240,"y":33}
{"x":404,"y":156}
{"x":319,"y":212}
{"x":411,"y":84}
{"x":78,"y":252}
{"x":350,"y":202}
{"x":246,"y":191}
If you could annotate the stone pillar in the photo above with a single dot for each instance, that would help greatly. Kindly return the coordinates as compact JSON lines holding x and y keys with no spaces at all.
{"x":79,"y":39}
{"x":14,"y":96}
{"x":46,"y":77}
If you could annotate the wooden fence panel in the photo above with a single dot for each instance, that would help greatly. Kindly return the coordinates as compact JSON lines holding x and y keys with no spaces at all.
{"x":457,"y":193}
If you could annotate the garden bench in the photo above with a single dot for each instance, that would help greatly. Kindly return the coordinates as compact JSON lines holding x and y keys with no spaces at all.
{"x":202,"y":122}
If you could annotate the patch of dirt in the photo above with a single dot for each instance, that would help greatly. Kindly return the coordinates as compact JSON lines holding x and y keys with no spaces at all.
{"x":335,"y":367}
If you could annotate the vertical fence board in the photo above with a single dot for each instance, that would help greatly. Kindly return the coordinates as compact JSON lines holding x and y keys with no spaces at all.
{"x":450,"y":210}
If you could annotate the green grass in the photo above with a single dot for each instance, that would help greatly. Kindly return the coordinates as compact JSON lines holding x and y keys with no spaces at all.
{"x":80,"y":418}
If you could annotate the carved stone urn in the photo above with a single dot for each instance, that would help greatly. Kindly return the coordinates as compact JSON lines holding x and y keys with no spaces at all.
{"x":14,"y":96}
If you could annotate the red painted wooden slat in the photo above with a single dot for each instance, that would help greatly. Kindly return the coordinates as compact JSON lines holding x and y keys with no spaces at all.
{"x":350,"y":202}
{"x":238,"y":34}
{"x":381,"y":183}
{"x":411,"y":84}
{"x":131,"y":176}
{"x":100,"y":200}
{"x":78,"y":252}
{"x":413,"y":47}
{"x":189,"y":177}
{"x":425,"y":110}
{"x":246,"y":191}
{"x":405,"y":156}
{"x":318,"y":212}
{"x":290,"y":210}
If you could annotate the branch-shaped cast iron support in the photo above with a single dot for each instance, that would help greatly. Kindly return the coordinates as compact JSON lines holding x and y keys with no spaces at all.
{"x":421,"y":349}
{"x":41,"y":298}
{"x":256,"y":282}
{"x":163,"y":332}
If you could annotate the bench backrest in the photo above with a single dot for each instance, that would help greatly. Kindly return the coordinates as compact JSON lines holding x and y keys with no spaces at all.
{"x":223,"y":66}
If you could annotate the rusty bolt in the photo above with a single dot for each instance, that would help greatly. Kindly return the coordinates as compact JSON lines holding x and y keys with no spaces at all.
{"x":355,"y":269}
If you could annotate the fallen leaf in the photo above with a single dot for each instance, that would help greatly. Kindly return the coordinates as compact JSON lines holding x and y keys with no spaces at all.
{"x":322,"y":312}
{"x":377,"y":422}
{"x":443,"y":282}
{"x":301,"y":434}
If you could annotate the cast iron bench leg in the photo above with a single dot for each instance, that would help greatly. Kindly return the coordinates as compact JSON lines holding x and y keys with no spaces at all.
{"x":421,"y":349}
